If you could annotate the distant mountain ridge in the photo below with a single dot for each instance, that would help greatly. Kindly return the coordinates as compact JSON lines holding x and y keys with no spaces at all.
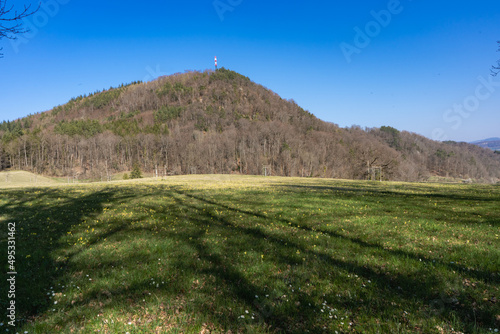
{"x":491,"y":143}
{"x":221,"y":122}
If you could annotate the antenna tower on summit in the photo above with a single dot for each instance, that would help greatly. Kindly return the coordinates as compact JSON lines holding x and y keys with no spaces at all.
{"x":216,"y":63}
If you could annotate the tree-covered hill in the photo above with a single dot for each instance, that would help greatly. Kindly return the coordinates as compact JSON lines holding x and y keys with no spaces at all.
{"x":222,"y":122}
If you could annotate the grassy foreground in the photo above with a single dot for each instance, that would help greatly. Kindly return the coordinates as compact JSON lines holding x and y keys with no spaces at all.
{"x":229,"y":254}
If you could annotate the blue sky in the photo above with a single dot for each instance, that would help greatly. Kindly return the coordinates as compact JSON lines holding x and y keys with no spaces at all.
{"x":418,"y":65}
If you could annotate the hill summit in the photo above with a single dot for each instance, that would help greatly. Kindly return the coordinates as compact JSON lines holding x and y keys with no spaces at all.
{"x":222,"y":122}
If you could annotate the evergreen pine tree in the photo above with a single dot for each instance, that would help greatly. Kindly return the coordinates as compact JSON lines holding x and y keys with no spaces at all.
{"x":136,"y":172}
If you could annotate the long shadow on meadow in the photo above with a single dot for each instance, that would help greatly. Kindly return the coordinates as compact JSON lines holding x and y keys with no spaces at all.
{"x":417,"y":199}
{"x":476,"y":273}
{"x":286,"y":289}
{"x":395,"y":290}
{"x":400,"y":191}
{"x":42,"y":217}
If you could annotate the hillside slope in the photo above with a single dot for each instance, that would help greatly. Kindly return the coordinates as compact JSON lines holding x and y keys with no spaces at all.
{"x":221,"y":122}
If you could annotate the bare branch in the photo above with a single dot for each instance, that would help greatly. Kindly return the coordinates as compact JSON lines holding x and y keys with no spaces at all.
{"x":496,"y":69}
{"x":11,"y":23}
{"x":4,"y":13}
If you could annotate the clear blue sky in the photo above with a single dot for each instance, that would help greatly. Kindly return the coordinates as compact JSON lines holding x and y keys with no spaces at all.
{"x":417,"y":68}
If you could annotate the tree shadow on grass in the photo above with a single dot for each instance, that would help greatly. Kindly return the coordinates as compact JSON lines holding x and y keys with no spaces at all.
{"x":43,"y":216}
{"x":397,"y":288}
{"x":475,"y":273}
{"x":297,"y":278}
{"x":401,"y":192}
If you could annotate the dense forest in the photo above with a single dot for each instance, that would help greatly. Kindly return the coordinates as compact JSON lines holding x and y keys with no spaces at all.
{"x":222,"y":122}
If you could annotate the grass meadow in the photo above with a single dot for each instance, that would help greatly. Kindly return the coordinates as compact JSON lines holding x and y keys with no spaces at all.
{"x":241,"y":254}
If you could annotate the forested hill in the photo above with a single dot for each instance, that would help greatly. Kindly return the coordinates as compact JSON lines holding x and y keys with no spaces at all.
{"x":221,"y":122}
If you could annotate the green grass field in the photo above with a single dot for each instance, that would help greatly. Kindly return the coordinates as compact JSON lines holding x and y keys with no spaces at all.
{"x":234,"y":254}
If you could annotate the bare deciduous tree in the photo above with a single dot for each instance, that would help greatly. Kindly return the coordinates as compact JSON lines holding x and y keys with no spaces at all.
{"x":11,"y":23}
{"x":496,"y":69}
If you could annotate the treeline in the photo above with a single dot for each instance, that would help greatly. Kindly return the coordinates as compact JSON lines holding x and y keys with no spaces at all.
{"x":221,"y":122}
